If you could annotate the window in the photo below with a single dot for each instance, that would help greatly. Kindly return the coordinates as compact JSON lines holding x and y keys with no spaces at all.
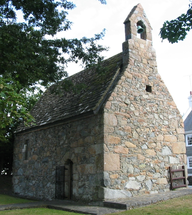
{"x":189,"y":179}
{"x":148,"y":88}
{"x":25,"y":150}
{"x":189,"y":162}
{"x":189,"y":140}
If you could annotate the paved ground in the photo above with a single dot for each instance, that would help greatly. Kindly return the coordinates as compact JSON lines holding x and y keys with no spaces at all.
{"x":108,"y":206}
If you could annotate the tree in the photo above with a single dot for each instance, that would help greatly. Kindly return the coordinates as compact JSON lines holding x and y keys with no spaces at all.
{"x":30,"y":55}
{"x":177,"y":29}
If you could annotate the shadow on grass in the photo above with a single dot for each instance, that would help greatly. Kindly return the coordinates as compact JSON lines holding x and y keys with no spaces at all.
{"x":6,"y":200}
{"x":37,"y":211}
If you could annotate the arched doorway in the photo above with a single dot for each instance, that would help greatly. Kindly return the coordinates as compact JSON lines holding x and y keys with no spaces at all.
{"x":64,"y":181}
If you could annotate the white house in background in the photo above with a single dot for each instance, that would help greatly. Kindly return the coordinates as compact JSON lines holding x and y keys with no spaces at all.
{"x":188,"y":139}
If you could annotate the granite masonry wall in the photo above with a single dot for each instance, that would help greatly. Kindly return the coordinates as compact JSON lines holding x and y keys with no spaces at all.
{"x":121,"y":152}
{"x":144,"y":132}
{"x":80,"y":141}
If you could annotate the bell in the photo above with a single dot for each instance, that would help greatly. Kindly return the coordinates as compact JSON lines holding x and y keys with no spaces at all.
{"x":140,"y":29}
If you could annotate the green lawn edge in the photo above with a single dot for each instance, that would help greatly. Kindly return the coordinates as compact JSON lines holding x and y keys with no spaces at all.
{"x":6,"y":200}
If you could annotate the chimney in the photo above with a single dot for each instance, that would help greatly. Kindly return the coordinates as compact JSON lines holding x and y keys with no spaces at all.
{"x":190,"y":100}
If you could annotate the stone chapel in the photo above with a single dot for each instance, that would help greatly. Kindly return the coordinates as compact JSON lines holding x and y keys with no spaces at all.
{"x":114,"y":139}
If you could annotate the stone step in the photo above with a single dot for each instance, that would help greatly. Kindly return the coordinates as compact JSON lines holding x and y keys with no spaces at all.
{"x":116,"y":205}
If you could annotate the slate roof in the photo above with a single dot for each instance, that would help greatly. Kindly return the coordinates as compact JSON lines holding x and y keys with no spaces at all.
{"x":54,"y":107}
{"x":188,"y":122}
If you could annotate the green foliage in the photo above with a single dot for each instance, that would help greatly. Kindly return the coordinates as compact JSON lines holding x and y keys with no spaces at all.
{"x":177,"y":29}
{"x":30,"y":55}
{"x":14,"y":107}
{"x":103,"y":1}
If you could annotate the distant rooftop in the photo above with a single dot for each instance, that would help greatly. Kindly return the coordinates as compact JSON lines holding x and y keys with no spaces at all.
{"x":188,"y":122}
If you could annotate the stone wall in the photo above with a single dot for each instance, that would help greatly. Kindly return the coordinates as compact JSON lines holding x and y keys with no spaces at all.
{"x":80,"y":141}
{"x":144,"y":132}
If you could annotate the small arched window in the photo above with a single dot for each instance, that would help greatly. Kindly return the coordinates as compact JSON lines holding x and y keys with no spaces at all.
{"x":141,"y":30}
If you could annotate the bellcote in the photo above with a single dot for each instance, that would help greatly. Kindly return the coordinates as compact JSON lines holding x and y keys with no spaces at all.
{"x":138,"y":34}
{"x":137,"y":20}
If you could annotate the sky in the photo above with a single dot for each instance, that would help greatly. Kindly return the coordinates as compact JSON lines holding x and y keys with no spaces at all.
{"x":173,"y":60}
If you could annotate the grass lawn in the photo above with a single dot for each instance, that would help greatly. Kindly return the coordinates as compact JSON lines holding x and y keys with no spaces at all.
{"x":5,"y":200}
{"x":177,"y":206}
{"x":37,"y":211}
